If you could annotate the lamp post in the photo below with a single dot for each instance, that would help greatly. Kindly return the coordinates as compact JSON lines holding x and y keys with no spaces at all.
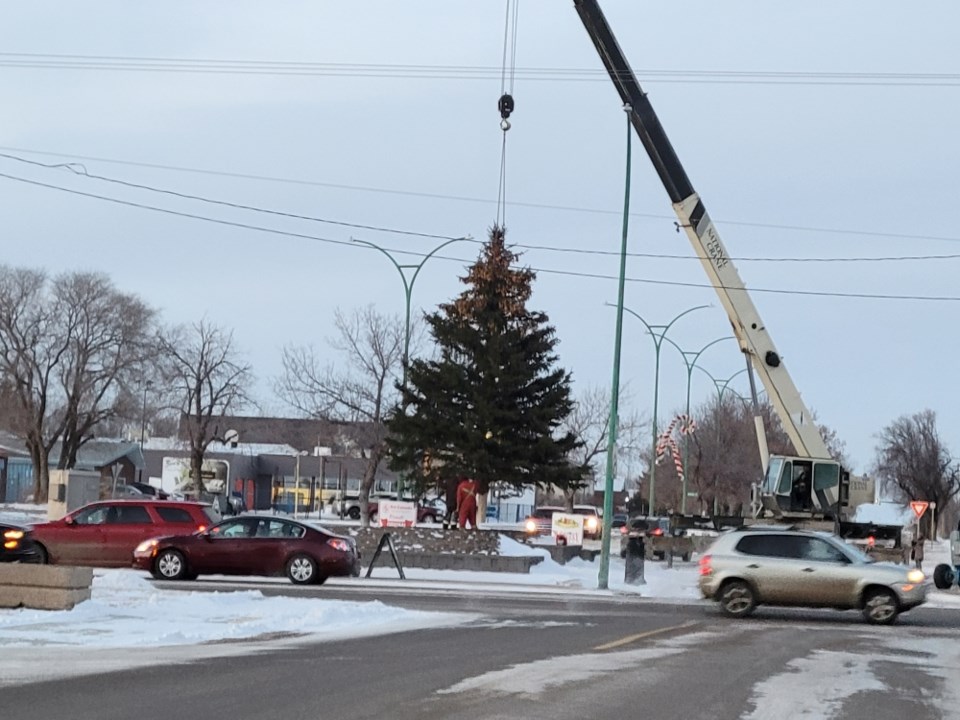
{"x":407,"y":294}
{"x":657,"y":333}
{"x":408,"y":287}
{"x":691,"y":364}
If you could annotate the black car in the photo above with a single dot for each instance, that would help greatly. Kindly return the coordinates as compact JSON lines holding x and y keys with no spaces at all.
{"x":18,"y":546}
{"x":148,"y":489}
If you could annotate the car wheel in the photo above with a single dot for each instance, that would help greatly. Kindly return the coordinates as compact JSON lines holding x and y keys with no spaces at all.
{"x":353,"y":513}
{"x":42,"y":557}
{"x":943,"y":576}
{"x":880,"y":607}
{"x":169,"y":565}
{"x":302,"y":570}
{"x":737,"y":599}
{"x":685,"y":557}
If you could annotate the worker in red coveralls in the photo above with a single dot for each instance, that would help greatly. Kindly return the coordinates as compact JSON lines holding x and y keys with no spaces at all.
{"x":467,"y":503}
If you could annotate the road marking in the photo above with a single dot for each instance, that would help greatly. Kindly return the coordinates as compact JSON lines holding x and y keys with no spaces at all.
{"x":642,"y":636}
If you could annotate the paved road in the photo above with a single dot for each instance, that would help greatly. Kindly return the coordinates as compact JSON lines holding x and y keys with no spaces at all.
{"x":532,"y":656}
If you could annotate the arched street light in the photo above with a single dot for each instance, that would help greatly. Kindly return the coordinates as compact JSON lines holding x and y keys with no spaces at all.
{"x":658,"y":333}
{"x":690,"y":360}
{"x":407,"y":294}
{"x":408,"y":287}
{"x":721,"y":385}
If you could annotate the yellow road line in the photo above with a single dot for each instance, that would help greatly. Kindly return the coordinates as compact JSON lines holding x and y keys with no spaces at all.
{"x":642,"y":636}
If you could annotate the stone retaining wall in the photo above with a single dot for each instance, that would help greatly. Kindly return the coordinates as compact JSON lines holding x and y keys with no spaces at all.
{"x":44,"y":587}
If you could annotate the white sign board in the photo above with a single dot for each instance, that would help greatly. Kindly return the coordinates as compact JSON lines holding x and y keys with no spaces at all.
{"x":568,"y":527}
{"x":396,"y":513}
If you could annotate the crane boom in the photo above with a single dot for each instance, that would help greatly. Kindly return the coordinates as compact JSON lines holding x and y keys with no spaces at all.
{"x":748,"y":328}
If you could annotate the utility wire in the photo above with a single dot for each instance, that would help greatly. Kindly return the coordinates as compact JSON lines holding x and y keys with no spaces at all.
{"x":568,"y":273}
{"x":80,"y":170}
{"x":458,"y":72}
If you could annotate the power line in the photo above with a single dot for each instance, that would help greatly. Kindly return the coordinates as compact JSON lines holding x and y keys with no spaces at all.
{"x":53,"y":61}
{"x":538,"y":206}
{"x":569,"y":273}
{"x":82,"y":171}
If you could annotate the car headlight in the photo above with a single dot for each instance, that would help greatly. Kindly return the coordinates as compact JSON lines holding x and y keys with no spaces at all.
{"x":146,"y":546}
{"x":531,"y":526}
{"x":591,"y":523}
{"x":916,"y":576}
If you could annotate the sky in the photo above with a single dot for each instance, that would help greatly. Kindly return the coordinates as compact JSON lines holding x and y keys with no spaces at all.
{"x":817,"y":137}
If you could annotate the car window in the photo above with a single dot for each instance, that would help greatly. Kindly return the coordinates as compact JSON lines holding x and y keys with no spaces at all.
{"x":128,"y":515}
{"x":279,"y":529}
{"x":782,"y":546}
{"x":92,"y":516}
{"x":235,"y":529}
{"x":174,"y":514}
{"x":821,"y":550}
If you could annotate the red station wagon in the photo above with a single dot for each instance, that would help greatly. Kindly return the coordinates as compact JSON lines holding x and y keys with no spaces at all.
{"x":105,"y":533}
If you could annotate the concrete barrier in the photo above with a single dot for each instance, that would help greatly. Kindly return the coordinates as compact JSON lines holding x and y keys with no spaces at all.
{"x":43,"y":587}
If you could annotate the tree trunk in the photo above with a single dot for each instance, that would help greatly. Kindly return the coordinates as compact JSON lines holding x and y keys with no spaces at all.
{"x":196,"y":471}
{"x":41,"y":473}
{"x":366,"y":483}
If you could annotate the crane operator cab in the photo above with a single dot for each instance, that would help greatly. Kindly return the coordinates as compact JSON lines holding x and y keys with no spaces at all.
{"x":803,"y":485}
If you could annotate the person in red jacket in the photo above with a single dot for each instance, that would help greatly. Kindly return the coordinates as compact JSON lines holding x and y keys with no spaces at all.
{"x":467,"y":503}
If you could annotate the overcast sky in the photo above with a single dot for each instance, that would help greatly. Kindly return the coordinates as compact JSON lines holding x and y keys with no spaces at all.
{"x":836,"y":140}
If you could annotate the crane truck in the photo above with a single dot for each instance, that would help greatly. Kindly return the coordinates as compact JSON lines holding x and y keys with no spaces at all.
{"x":810,"y":484}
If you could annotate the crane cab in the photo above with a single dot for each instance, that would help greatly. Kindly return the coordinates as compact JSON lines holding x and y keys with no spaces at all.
{"x":804,"y":485}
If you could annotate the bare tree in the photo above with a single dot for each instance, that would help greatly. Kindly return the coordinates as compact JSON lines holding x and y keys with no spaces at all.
{"x":202,"y":364}
{"x":589,"y":423}
{"x":360,"y":390}
{"x":913,"y":462}
{"x":108,"y":355}
{"x":67,"y":349}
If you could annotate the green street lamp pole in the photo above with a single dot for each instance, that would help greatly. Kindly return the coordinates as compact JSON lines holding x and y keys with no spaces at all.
{"x":657,"y":333}
{"x":691,"y":364}
{"x":408,"y":287}
{"x":603,"y":576}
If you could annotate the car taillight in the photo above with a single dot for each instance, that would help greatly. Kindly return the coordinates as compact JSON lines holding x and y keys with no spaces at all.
{"x":201,"y":528}
{"x":623,"y":530}
{"x":658,"y":531}
{"x":338,"y":544}
{"x":705,"y":567}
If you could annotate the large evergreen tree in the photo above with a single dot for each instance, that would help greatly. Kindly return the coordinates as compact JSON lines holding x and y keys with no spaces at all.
{"x":491,"y":402}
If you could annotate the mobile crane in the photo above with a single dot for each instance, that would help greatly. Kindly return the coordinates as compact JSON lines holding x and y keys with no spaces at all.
{"x":811,"y":483}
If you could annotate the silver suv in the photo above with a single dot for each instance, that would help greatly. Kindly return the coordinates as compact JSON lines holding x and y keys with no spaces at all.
{"x":776,"y":566}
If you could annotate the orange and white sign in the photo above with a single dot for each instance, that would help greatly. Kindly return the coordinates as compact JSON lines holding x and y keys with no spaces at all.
{"x":919,"y":507}
{"x":396,"y":513}
{"x":567,"y":526}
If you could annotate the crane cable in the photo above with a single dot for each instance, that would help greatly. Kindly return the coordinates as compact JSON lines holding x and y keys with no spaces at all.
{"x":505,"y":105}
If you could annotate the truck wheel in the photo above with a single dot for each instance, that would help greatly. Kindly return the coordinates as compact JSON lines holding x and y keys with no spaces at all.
{"x":737,"y":599}
{"x":943,"y":576}
{"x":353,"y":513}
{"x":880,"y":607}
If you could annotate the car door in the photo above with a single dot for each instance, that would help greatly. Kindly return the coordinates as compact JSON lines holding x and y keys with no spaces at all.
{"x":79,"y":540}
{"x":274,"y":540}
{"x":127,"y":525}
{"x":773,"y":566}
{"x":829,"y":577}
{"x":227,"y":547}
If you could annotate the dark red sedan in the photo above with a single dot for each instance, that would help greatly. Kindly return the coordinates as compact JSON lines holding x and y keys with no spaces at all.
{"x":252,"y":545}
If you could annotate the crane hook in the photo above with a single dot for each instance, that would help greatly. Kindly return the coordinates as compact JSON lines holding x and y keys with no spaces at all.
{"x":505,"y":105}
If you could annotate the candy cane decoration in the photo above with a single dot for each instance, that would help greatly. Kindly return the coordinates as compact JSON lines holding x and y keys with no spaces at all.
{"x":686,"y":426}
